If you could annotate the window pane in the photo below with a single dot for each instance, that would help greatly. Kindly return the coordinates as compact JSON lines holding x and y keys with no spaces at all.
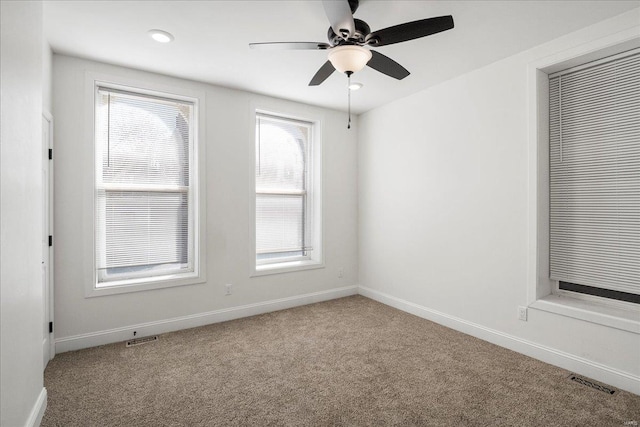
{"x":143,"y":225}
{"x":144,"y":229}
{"x":594,"y":165}
{"x":279,"y":224}
{"x":280,"y":156}
{"x":143,"y":140}
{"x":283,"y":222}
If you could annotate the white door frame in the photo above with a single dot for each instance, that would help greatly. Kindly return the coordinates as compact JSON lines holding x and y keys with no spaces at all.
{"x":47,"y":211}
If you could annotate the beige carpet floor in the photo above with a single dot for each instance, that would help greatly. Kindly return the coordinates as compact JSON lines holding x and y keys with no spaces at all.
{"x":346,"y":362}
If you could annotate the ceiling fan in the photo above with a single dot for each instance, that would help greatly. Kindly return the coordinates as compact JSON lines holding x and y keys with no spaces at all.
{"x":348,"y":37}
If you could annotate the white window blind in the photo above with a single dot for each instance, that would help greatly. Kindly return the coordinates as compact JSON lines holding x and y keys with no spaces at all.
{"x":144,"y":212}
{"x":595,"y":175}
{"x":283,"y":215}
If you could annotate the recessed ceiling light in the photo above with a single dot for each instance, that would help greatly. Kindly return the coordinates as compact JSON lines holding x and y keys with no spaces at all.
{"x":355,"y":86}
{"x":160,"y":36}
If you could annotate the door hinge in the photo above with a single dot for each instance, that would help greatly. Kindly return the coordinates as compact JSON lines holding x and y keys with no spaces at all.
{"x":50,"y":153}
{"x":50,"y":327}
{"x":50,"y":240}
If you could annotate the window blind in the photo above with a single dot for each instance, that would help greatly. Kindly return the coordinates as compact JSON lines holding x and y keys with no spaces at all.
{"x":283,"y":217}
{"x":595,"y":175}
{"x":143,"y":185}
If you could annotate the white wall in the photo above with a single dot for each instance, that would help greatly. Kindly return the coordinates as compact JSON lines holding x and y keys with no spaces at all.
{"x":47,"y":76}
{"x":229,"y":173}
{"x":443,"y":205}
{"x":23,"y":397}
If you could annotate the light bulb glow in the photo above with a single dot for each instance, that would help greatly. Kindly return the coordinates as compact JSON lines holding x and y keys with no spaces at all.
{"x":349,"y":58}
{"x":160,"y":36}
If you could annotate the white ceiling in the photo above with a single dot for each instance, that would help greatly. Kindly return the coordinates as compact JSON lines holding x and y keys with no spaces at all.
{"x":212,"y":38}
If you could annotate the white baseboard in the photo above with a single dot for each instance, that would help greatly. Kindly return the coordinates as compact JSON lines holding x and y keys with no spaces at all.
{"x":570,"y":362}
{"x":94,"y":339}
{"x":37,"y":412}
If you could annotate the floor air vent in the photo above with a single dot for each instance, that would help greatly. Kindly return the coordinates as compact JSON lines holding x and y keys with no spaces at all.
{"x":589,"y":383}
{"x":140,"y":341}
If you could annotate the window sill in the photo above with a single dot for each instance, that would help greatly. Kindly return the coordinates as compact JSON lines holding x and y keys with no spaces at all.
{"x":590,"y":311}
{"x":286,"y":267}
{"x":145,"y":284}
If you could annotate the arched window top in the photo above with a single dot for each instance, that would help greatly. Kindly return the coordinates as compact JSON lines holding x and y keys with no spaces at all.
{"x":280,"y":160}
{"x":143,"y":140}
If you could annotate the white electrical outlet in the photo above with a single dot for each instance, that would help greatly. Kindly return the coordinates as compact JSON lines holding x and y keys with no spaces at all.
{"x":340,"y":273}
{"x":522,"y":313}
{"x":228,"y":288}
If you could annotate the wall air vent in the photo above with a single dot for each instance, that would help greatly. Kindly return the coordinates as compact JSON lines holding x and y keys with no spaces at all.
{"x":140,"y":341}
{"x":600,"y":387}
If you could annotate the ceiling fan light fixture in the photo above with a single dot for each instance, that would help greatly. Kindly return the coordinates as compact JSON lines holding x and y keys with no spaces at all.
{"x":349,"y":58}
{"x":161,"y":36}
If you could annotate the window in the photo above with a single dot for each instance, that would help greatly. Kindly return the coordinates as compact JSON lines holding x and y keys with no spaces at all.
{"x":594,"y":162}
{"x":287,"y":218}
{"x":145,"y":198}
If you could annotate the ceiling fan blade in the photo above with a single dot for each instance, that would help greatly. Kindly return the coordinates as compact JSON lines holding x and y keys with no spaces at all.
{"x":340,"y":17}
{"x":289,"y":45}
{"x":386,"y":65}
{"x":410,"y":30}
{"x":323,"y":73}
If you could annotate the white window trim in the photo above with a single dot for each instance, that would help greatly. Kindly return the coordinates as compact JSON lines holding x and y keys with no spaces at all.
{"x":304,"y":114}
{"x":197,"y":97}
{"x":543,"y":293}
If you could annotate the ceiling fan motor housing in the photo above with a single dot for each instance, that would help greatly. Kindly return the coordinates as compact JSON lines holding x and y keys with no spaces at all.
{"x":362,"y":31}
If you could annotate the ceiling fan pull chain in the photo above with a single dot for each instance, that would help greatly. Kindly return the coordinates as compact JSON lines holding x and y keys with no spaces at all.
{"x":349,"y":99}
